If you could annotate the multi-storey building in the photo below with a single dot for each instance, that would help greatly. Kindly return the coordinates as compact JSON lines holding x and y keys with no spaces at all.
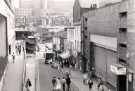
{"x":112,"y":44}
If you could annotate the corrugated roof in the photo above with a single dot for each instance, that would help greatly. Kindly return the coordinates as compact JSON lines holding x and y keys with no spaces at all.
{"x":87,"y":3}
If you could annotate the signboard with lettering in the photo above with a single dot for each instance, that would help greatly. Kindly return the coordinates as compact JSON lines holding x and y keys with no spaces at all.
{"x":118,"y":70}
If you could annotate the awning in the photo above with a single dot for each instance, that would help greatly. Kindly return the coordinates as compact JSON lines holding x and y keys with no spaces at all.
{"x":65,"y":55}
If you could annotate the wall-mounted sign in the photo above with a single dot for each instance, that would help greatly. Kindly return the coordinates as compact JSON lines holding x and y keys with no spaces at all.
{"x":118,"y":70}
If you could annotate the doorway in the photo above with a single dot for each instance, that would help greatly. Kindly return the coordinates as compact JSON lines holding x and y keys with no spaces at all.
{"x":122,"y":83}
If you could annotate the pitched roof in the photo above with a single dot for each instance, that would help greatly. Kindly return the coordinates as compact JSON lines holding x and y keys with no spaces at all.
{"x":87,"y":3}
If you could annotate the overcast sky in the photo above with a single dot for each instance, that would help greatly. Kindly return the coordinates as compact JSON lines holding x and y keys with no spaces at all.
{"x":64,"y":5}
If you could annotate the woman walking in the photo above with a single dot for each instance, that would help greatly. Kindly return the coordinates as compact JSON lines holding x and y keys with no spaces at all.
{"x":58,"y":84}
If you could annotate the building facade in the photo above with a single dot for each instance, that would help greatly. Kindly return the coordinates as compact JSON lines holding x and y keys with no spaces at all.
{"x":112,"y":44}
{"x":79,"y":21}
{"x":7,"y":42}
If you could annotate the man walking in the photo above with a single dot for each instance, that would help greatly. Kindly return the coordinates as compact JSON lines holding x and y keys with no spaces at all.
{"x":28,"y":84}
{"x":54,"y":82}
{"x":13,"y":57}
{"x":63,"y":81}
{"x":90,"y":83}
{"x":68,"y":82}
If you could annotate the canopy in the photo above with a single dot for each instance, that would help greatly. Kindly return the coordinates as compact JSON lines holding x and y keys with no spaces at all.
{"x":65,"y":55}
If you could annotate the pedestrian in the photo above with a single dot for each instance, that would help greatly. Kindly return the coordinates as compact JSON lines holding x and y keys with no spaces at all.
{"x":54,"y":83}
{"x":13,"y":57}
{"x":19,"y":49}
{"x":28,"y":84}
{"x":58,"y":84}
{"x":63,"y":81}
{"x":100,"y":83}
{"x":101,"y":88}
{"x":70,"y":68}
{"x":68,"y":82}
{"x":59,"y":68}
{"x":85,"y":76}
{"x":90,"y":83}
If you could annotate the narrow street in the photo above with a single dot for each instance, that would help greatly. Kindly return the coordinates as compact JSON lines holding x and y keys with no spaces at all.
{"x":79,"y":45}
{"x":45,"y":76}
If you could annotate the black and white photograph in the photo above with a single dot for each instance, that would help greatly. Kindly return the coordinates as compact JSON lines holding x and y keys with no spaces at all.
{"x":67,"y":45}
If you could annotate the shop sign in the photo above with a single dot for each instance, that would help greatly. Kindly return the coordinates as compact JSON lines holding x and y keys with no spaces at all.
{"x":118,"y":70}
{"x":130,"y":77}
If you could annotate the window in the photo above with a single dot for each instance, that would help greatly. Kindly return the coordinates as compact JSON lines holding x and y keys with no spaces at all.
{"x":122,"y":45}
{"x":122,"y":61}
{"x":86,"y":36}
{"x":123,"y":14}
{"x":85,"y":28}
{"x":122,"y":30}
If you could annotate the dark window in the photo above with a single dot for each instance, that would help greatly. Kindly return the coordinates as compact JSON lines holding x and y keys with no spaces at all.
{"x":85,"y":28}
{"x":86,"y":36}
{"x":123,"y":14}
{"x":122,"y":29}
{"x":122,"y":60}
{"x":122,"y":45}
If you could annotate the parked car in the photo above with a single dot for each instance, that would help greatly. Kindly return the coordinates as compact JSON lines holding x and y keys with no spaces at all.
{"x":54,"y":65}
{"x":48,"y":58}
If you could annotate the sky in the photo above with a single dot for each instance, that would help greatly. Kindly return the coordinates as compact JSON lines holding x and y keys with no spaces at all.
{"x":16,"y":3}
{"x":63,"y":5}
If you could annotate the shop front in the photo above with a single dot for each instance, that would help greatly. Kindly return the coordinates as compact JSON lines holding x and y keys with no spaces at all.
{"x":124,"y":77}
{"x":65,"y":58}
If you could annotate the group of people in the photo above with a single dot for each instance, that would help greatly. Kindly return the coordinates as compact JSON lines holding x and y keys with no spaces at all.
{"x":61,"y":84}
{"x":100,"y":85}
{"x":18,"y":49}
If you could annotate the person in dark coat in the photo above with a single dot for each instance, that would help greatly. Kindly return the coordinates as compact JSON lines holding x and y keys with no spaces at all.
{"x":13,"y":57}
{"x":68,"y":82}
{"x":63,"y":81}
{"x":99,"y":83}
{"x":90,"y":83}
{"x":53,"y":82}
{"x":28,"y":84}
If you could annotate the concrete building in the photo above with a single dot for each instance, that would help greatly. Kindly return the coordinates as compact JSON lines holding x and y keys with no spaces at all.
{"x":7,"y":41}
{"x":112,"y":44}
